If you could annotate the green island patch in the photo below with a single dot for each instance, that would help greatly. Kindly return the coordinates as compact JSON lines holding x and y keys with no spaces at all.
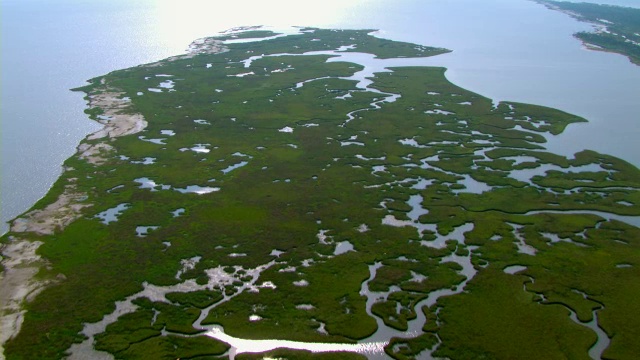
{"x":275,"y":190}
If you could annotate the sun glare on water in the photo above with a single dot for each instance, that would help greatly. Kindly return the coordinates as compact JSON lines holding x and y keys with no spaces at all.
{"x":180,"y":20}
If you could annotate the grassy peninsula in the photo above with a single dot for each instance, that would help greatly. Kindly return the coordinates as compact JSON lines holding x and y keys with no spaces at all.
{"x":617,"y":27}
{"x":249,"y":186}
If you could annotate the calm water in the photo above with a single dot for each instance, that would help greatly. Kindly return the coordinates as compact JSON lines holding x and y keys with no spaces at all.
{"x":504,"y":49}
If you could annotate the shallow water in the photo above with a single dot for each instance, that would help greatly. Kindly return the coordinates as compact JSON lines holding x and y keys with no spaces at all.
{"x":471,"y":186}
{"x":233,"y":167}
{"x":384,"y":332}
{"x":145,"y":161}
{"x":603,"y":341}
{"x":240,"y":346}
{"x":523,"y":247}
{"x":111,"y":215}
{"x":343,"y":247}
{"x":513,"y":269}
{"x":178,"y":212}
{"x":631,"y":220}
{"x":525,"y":175}
{"x":197,"y":189}
{"x":143,"y":231}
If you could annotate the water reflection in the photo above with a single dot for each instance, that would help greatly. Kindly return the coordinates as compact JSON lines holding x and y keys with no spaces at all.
{"x":240,"y":346}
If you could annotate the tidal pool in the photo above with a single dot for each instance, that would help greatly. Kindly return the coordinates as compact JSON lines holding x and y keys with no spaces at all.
{"x":111,"y":215}
{"x":233,"y":167}
{"x":145,"y":161}
{"x":168,"y":84}
{"x":198,"y":148}
{"x":197,"y":189}
{"x":142,"y":231}
{"x":343,"y":247}
{"x":178,"y":212}
{"x":146,"y":183}
{"x":513,"y":269}
{"x":158,"y":141}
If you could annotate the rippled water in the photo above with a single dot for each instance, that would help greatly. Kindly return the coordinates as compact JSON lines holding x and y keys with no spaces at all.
{"x":507,"y":49}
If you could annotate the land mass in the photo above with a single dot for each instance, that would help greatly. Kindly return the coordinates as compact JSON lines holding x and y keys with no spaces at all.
{"x":617,"y":27}
{"x":310,"y":188}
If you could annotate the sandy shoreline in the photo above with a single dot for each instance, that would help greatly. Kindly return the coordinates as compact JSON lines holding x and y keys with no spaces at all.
{"x":18,"y":257}
{"x":20,"y":262}
{"x":198,"y":47}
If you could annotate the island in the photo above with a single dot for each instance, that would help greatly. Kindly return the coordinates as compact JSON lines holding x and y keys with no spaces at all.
{"x":311,"y":195}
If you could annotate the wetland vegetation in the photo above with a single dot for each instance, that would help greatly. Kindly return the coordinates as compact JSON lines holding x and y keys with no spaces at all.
{"x":289,"y":198}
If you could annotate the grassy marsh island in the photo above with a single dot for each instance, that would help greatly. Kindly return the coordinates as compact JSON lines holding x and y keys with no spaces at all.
{"x":617,"y":27}
{"x":289,"y":189}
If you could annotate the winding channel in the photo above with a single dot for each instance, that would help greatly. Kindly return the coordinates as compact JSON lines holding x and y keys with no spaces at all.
{"x":602,"y":339}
